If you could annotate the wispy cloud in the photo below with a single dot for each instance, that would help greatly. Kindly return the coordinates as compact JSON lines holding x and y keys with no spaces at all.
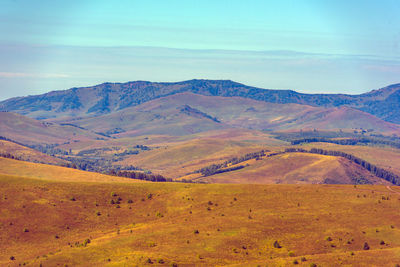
{"x":32,"y":75}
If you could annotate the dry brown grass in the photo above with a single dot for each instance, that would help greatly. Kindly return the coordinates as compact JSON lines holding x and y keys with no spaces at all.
{"x":237,"y":224}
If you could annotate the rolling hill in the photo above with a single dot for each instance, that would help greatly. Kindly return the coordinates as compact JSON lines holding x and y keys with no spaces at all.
{"x":32,"y":132}
{"x":11,"y":149}
{"x":188,"y":113}
{"x":111,"y":97}
{"x":295,"y":168}
{"x":55,"y":173}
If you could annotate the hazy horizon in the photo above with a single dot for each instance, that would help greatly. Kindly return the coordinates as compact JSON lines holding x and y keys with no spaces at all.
{"x":306,"y":46}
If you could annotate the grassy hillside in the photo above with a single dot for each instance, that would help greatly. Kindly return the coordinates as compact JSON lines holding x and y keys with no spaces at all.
{"x":178,"y":159}
{"x":32,"y":132}
{"x":73,"y":223}
{"x":295,"y":168}
{"x":54,"y":173}
{"x":385,"y":157}
{"x":27,"y":154}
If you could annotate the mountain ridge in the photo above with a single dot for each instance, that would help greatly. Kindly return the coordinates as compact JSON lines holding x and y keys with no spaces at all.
{"x":109,"y":97}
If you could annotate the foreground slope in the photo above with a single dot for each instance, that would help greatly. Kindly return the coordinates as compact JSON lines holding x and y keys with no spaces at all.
{"x":74,"y":224}
{"x":110,"y":97}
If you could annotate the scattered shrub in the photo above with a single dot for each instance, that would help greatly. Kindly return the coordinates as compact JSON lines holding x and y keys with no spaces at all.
{"x":291,"y":254}
{"x":295,"y":262}
{"x":12,"y":258}
{"x":328,"y":238}
{"x":276,"y":244}
{"x":87,"y":241}
{"x":366,"y":246}
{"x":303,"y":259}
{"x":25,"y":230}
{"x":196,"y":231}
{"x":130,"y":201}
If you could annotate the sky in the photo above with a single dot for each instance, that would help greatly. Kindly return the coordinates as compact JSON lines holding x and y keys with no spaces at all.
{"x":311,"y":46}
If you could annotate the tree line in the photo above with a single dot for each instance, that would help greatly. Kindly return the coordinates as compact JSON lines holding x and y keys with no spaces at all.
{"x":140,"y":176}
{"x":347,"y":141}
{"x":218,"y":168}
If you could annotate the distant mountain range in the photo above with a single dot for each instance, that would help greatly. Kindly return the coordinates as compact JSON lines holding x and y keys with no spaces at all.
{"x":108,"y":98}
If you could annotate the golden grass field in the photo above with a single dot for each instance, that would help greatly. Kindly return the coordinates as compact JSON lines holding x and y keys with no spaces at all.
{"x":47,"y":222}
{"x":54,"y":173}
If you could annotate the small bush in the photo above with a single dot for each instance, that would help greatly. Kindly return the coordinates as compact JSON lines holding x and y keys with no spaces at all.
{"x":366,"y":246}
{"x":276,"y":244}
{"x":291,"y":254}
{"x":328,"y":238}
{"x":295,"y":262}
{"x":382,"y":242}
{"x":313,"y":265}
{"x":98,"y":213}
{"x":196,"y":231}
{"x":72,"y":199}
{"x":25,"y":230}
{"x":87,"y":241}
{"x":150,"y":196}
{"x":303,"y":259}
{"x":113,"y":194}
{"x":130,"y":201}
{"x":12,"y":258}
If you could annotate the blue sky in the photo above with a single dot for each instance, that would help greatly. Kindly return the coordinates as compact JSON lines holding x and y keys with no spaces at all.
{"x":309,"y":46}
